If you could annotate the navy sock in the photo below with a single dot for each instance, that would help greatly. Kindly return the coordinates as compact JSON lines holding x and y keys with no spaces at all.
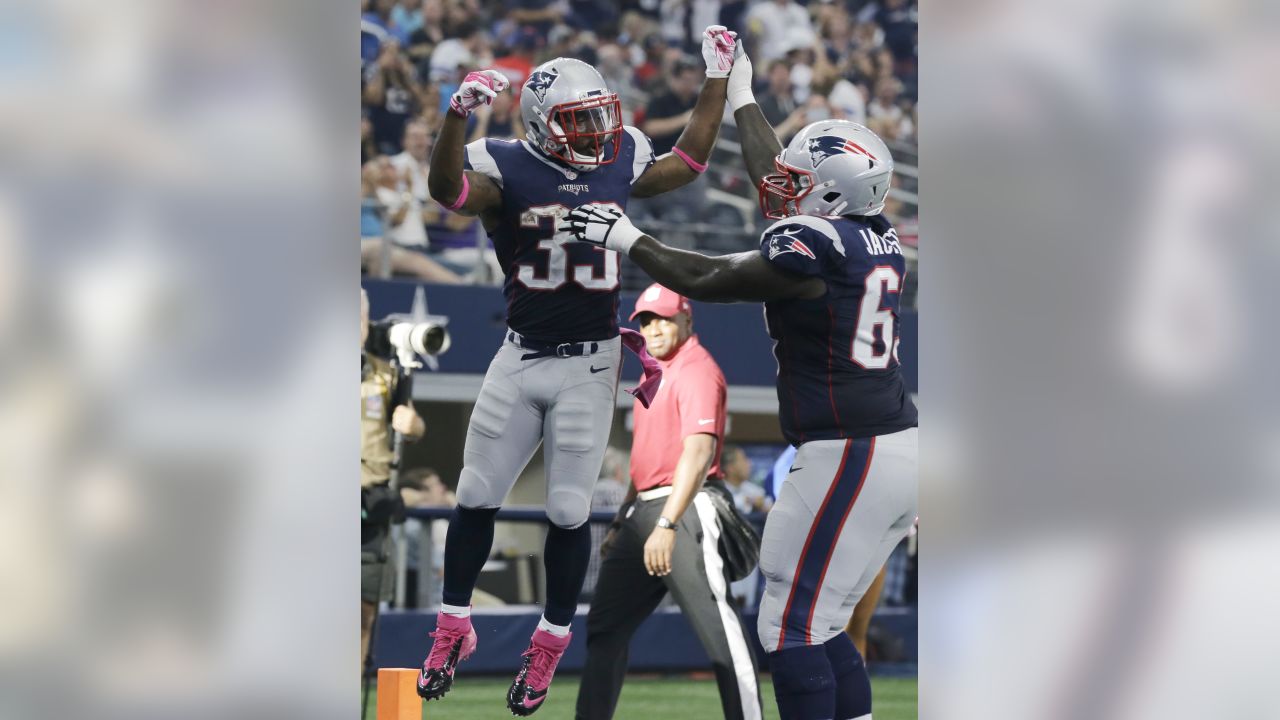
{"x":566,"y":556}
{"x":803,"y":683}
{"x":853,"y":685}
{"x":466,"y":549}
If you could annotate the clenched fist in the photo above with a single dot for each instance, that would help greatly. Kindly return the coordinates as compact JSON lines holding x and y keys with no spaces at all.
{"x":478,"y":88}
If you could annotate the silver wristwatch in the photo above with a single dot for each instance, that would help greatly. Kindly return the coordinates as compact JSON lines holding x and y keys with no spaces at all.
{"x":666,"y":524}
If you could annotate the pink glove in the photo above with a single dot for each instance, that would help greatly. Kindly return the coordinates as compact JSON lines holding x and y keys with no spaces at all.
{"x":478,"y":88}
{"x":718,"y":49}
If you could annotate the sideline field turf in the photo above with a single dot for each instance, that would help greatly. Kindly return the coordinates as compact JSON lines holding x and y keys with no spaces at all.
{"x":675,"y":698}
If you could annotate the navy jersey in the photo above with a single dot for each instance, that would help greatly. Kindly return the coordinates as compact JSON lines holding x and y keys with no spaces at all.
{"x":838,"y":370}
{"x":557,"y":290}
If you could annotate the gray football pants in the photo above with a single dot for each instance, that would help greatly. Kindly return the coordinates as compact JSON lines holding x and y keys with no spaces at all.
{"x":568,"y":402}
{"x":843,"y":508}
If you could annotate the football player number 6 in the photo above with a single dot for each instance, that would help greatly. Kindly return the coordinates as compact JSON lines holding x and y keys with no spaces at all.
{"x":558,"y":269}
{"x":880,"y":282}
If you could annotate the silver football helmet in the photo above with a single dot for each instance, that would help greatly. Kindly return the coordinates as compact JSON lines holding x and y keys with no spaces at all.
{"x":570,"y":115}
{"x":832,"y":167}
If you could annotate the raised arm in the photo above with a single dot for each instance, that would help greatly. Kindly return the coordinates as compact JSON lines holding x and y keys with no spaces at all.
{"x":463,"y":191}
{"x":742,"y":277}
{"x":760,"y":143}
{"x":693,"y":148}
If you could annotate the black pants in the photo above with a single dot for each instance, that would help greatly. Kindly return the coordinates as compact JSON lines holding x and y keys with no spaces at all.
{"x":626,"y":594}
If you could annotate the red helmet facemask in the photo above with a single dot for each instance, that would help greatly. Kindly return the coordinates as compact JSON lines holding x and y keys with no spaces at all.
{"x":591,"y":128}
{"x":782,"y":191}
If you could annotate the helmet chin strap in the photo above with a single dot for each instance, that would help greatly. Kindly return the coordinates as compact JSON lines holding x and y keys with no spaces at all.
{"x":575,"y":163}
{"x":589,"y":162}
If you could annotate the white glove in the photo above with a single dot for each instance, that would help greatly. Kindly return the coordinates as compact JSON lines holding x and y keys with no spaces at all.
{"x":718,"y":44}
{"x":604,"y":226}
{"x":478,"y":88}
{"x":739,"y":91}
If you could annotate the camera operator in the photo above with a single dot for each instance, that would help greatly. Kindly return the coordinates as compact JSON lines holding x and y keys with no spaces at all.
{"x":385,"y":406}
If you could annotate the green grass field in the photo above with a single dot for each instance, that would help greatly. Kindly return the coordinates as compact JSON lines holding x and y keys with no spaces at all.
{"x":643,"y":698}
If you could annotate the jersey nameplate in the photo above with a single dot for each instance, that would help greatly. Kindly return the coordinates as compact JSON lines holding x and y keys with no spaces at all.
{"x":886,"y":244}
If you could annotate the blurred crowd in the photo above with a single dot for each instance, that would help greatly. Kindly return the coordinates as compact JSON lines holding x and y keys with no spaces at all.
{"x":852,"y":59}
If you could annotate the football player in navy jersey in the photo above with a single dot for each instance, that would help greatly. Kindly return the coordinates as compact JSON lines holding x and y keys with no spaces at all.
{"x":554,"y":379}
{"x":829,"y":272}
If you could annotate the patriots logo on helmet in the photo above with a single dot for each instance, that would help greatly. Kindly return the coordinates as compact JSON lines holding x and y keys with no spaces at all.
{"x":540,"y":82}
{"x":824,"y":146}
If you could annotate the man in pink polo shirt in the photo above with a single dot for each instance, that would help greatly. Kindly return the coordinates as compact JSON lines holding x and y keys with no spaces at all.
{"x":666,"y":538}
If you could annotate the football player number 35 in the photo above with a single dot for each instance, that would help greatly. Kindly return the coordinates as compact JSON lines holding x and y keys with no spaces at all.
{"x":559,"y":271}
{"x":880,"y":282}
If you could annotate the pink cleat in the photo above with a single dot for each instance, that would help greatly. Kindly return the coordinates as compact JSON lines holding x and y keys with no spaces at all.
{"x":529,"y":690}
{"x":455,"y":640}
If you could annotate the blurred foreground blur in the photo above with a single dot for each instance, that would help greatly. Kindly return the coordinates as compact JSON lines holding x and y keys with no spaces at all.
{"x":174,"y":337}
{"x":1099,"y":457}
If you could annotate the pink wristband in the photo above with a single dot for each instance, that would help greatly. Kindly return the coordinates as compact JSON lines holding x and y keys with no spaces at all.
{"x":694,"y":165}
{"x":462,"y":196}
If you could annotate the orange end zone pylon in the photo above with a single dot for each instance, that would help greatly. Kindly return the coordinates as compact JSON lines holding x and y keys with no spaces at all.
{"x":398,"y":694}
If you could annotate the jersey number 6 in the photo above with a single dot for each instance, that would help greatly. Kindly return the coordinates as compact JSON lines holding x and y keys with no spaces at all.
{"x":881,"y":281}
{"x":558,"y":269}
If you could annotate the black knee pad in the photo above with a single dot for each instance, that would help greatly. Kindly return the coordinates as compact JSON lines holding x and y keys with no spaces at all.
{"x":843,"y":655}
{"x":801,"y":670}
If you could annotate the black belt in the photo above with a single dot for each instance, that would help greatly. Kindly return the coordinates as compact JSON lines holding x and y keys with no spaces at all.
{"x":543,"y":349}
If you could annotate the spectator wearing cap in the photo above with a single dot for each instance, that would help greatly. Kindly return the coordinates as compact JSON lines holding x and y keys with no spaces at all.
{"x":666,"y":537}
